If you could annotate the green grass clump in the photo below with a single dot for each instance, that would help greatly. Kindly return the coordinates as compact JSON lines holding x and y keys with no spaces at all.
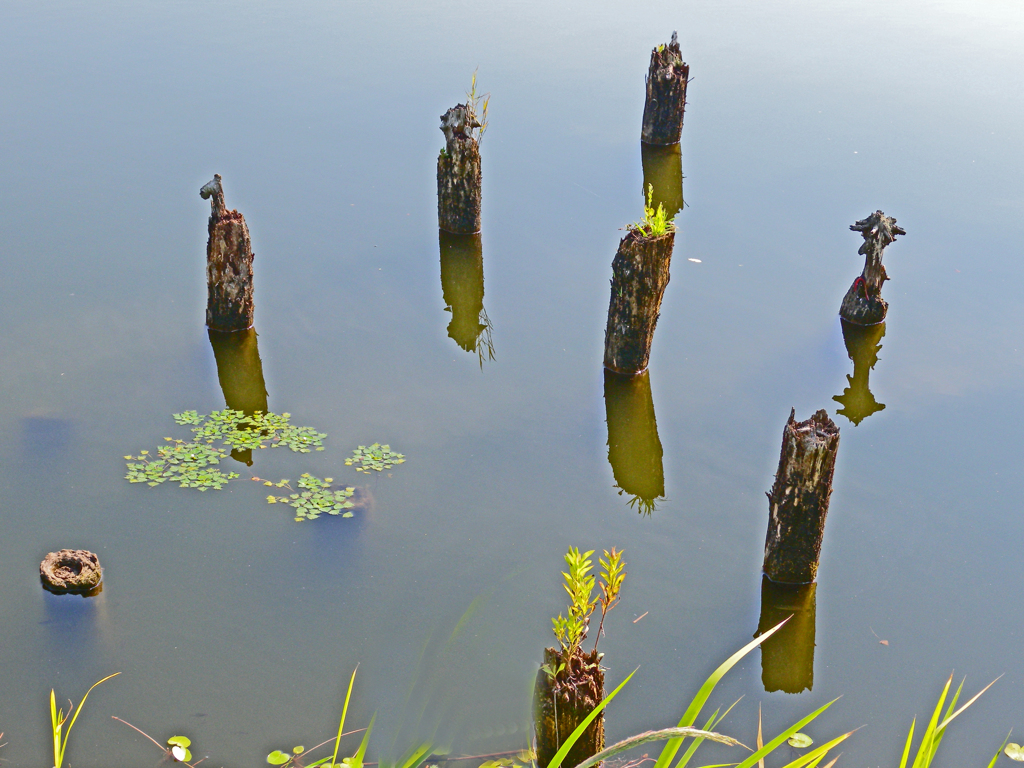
{"x":655,"y":222}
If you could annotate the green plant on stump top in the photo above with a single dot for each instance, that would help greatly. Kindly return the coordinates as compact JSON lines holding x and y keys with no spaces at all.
{"x":377,"y":457}
{"x":314,"y":498}
{"x":655,"y":222}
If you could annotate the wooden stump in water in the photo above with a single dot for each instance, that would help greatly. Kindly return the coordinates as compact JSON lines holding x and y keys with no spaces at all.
{"x":462,"y":286}
{"x":634,"y":448}
{"x":862,"y":345}
{"x":240,"y":372}
{"x":798,"y":501}
{"x":640,"y":274}
{"x":663,"y":171}
{"x":458,"y":173}
{"x":229,"y":301}
{"x":863,"y":303}
{"x":562,"y":702}
{"x":666,"y":95}
{"x":787,"y":657}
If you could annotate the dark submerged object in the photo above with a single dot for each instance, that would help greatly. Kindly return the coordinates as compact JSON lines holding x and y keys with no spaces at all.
{"x":787,"y":657}
{"x":458,"y":173}
{"x":72,"y":571}
{"x":229,"y":292}
{"x":863,"y":303}
{"x":640,"y":274}
{"x":666,"y":95}
{"x":798,"y":501}
{"x":561,"y":702}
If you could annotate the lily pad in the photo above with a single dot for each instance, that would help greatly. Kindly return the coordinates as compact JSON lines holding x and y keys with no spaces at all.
{"x":277,"y":757}
{"x":800,"y":740}
{"x":181,"y":741}
{"x":1014,"y":752}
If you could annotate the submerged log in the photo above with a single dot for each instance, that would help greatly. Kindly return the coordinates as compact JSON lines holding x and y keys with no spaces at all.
{"x":640,"y":274}
{"x":787,"y":657}
{"x":862,"y":345}
{"x":562,"y":701}
{"x":458,"y":172}
{"x":863,"y":303}
{"x":240,"y":372}
{"x":798,"y":501}
{"x":462,"y":286}
{"x":634,"y":448}
{"x":663,"y":172}
{"x":666,"y":95}
{"x":229,"y":295}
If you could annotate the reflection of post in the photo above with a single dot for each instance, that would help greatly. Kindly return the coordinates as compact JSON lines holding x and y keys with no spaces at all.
{"x":798,"y":501}
{"x":862,"y":345}
{"x":240,"y":372}
{"x":666,"y":95}
{"x":787,"y":657}
{"x":663,"y":171}
{"x":229,"y":302}
{"x":634,"y":448}
{"x":863,"y":303}
{"x":462,"y":285}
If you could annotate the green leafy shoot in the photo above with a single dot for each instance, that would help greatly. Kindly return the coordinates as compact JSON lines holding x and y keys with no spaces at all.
{"x":613,"y":573}
{"x":58,"y":719}
{"x":579,"y":585}
{"x":477,"y":112}
{"x":655,"y":222}
{"x":375,"y":457}
{"x":314,"y":498}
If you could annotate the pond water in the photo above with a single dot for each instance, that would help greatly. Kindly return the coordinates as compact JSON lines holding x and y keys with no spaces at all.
{"x":239,"y":627}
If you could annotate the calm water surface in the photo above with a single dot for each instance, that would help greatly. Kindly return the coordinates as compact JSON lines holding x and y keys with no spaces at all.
{"x":237,"y":626}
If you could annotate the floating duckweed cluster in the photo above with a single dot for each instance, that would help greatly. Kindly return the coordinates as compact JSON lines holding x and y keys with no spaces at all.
{"x":193,"y":464}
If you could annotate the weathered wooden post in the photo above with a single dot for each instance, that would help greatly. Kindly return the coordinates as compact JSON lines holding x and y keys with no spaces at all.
{"x":229,"y":302}
{"x":634,"y":448}
{"x":462,"y":286}
{"x":559,"y":709}
{"x":862,"y":345}
{"x":640,"y":274}
{"x":863,"y":303}
{"x":663,"y":172}
{"x":458,"y":169}
{"x":787,"y":657}
{"x":240,"y":372}
{"x":666,"y":95}
{"x":798,"y":501}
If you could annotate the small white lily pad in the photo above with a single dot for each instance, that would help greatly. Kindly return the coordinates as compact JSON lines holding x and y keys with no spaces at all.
{"x":800,"y":740}
{"x":1015,"y":752}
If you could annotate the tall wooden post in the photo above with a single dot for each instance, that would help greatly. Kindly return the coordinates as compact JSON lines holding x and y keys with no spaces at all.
{"x":862,"y":345}
{"x":462,"y":286}
{"x":863,"y":303}
{"x":663,"y":172}
{"x":666,"y":95}
{"x":558,"y":708}
{"x":787,"y":657}
{"x":640,"y":274}
{"x":229,"y":300}
{"x":458,"y":171}
{"x":798,"y":501}
{"x":634,"y":448}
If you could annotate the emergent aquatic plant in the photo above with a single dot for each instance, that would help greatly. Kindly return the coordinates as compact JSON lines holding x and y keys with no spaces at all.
{"x":58,"y":718}
{"x":655,"y":222}
{"x":378,"y":457}
{"x":314,"y":498}
{"x":579,"y":584}
{"x":177,"y":748}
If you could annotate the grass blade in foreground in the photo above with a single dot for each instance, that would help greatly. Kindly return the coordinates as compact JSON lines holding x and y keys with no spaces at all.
{"x":660,"y":735}
{"x":778,"y":740}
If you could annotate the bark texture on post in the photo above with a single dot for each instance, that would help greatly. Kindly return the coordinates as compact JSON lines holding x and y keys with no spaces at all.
{"x":663,"y":171}
{"x":862,"y":345}
{"x":634,"y":448}
{"x":458,"y":173}
{"x":666,"y":95}
{"x":462,"y":286}
{"x":787,"y":657}
{"x":863,"y":303}
{"x":562,"y":703}
{"x":640,"y":274}
{"x":798,"y":501}
{"x":229,"y":300}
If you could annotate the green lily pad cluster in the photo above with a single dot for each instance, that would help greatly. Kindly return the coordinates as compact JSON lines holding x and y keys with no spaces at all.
{"x":191,"y":465}
{"x":376,"y":457}
{"x":315,"y":497}
{"x":241,"y":432}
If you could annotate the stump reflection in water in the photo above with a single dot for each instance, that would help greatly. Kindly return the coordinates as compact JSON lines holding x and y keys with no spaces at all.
{"x":862,"y":345}
{"x":634,"y":448}
{"x":462,"y":286}
{"x":787,"y":657}
{"x":240,"y":372}
{"x":663,"y":170}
